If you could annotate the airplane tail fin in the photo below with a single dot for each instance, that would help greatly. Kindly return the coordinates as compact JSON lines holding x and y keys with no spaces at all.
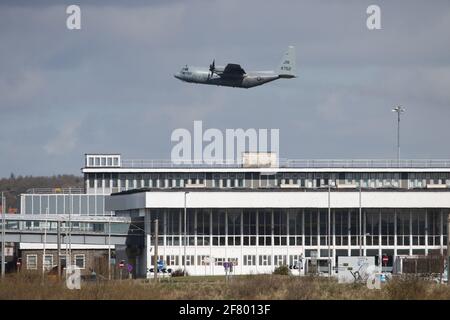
{"x":287,"y":66}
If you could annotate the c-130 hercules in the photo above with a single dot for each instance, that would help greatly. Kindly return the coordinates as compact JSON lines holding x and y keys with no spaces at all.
{"x":232,"y":75}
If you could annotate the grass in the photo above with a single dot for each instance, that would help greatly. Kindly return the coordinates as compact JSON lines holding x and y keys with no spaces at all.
{"x":29,"y":286}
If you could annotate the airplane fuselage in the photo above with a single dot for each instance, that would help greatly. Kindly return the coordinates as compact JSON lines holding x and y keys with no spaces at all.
{"x":247,"y":80}
{"x":233,"y":75}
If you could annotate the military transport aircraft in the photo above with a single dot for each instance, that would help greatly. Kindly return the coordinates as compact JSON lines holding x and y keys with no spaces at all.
{"x":232,"y":75}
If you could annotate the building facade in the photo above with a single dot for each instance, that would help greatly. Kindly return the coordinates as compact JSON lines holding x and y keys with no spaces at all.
{"x":262,"y":216}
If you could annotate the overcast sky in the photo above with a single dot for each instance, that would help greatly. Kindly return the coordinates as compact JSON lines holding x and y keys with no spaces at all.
{"x":109,"y":87}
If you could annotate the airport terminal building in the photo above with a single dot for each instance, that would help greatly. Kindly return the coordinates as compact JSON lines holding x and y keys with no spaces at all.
{"x":262,"y":213}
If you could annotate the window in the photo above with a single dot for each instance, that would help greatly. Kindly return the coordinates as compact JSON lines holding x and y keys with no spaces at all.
{"x":418,"y":226}
{"x":203,"y":227}
{"x":387,"y":227}
{"x":265,"y":227}
{"x":234,"y":227}
{"x":216,"y":181}
{"x":203,"y":260}
{"x":279,"y":260}
{"x":434,"y":226}
{"x":341,"y":226}
{"x":280,"y":227}
{"x":107,"y":180}
{"x":172,"y":260}
{"x":48,"y":261}
{"x":249,"y":260}
{"x":403,"y":222}
{"x":265,"y":260}
{"x":80,"y":261}
{"x":115,"y":179}
{"x":189,"y":260}
{"x":63,"y":260}
{"x":310,"y":225}
{"x":295,"y":260}
{"x":234,"y":261}
{"x":31,"y":261}
{"x":220,"y":261}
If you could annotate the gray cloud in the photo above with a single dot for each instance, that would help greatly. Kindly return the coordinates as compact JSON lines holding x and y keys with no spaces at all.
{"x":109,"y":87}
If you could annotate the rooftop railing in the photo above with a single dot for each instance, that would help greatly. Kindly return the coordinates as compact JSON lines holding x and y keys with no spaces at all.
{"x":69,"y":190}
{"x":295,"y":163}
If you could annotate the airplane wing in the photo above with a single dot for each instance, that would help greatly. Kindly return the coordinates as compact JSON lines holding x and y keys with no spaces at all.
{"x":232,"y":70}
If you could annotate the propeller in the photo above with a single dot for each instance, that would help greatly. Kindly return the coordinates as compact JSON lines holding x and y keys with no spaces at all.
{"x":212,"y":68}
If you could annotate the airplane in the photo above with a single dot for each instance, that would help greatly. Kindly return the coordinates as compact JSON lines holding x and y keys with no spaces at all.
{"x":232,"y":75}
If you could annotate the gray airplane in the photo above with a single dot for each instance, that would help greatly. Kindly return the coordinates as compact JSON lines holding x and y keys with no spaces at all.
{"x":232,"y":75}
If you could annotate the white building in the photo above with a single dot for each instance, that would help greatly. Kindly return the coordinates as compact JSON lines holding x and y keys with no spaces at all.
{"x":261,"y":216}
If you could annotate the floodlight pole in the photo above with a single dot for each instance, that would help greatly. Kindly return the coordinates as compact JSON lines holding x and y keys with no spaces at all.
{"x":360,"y":221}
{"x":155,"y":258}
{"x":329,"y":230}
{"x":399,"y":110}
{"x":44,"y":243}
{"x":3,"y":234}
{"x":70,"y":230}
{"x":109,"y":248}
{"x":58,"y":241}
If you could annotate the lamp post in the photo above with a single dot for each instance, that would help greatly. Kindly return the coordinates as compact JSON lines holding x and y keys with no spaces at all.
{"x":58,"y":246}
{"x":44,"y":243}
{"x":184,"y":262}
{"x":360,"y":221}
{"x":329,"y":186}
{"x":69,"y":261}
{"x":109,"y":247}
{"x":3,"y":235}
{"x":155,"y":257}
{"x":399,"y":110}
{"x":329,"y":230}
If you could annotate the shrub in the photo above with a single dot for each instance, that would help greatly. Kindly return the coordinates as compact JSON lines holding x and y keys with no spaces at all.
{"x":282,"y":270}
{"x":407,"y":287}
{"x":178,"y":273}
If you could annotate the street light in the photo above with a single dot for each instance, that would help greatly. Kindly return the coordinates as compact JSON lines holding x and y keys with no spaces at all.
{"x":399,"y":110}
{"x":109,"y":246}
{"x":329,"y":229}
{"x":360,"y":220}
{"x":3,"y":235}
{"x":184,"y":264}
{"x":329,"y":186}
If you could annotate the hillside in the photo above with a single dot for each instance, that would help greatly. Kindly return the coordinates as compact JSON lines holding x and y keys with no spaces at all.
{"x":15,"y":185}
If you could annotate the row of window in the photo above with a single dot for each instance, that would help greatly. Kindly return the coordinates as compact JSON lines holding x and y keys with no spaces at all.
{"x":50,"y":261}
{"x":248,"y":260}
{"x":256,"y":180}
{"x":103,"y":161}
{"x":366,"y":240}
{"x":349,"y":176}
{"x":76,"y":204}
{"x":297,"y":221}
{"x":52,"y":226}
